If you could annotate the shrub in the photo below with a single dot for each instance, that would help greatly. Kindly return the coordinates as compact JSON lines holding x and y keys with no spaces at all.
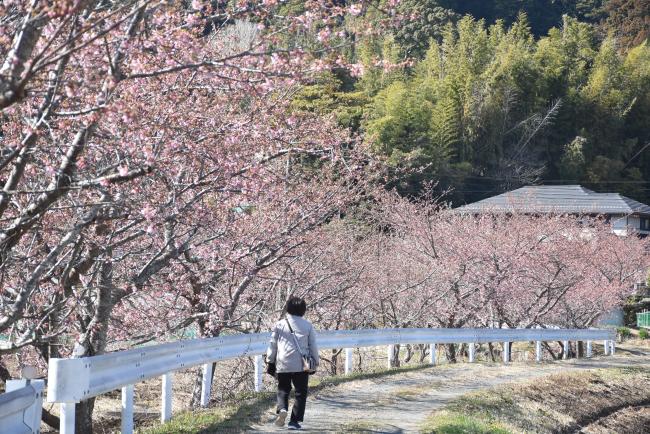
{"x":623,"y":332}
{"x":644,"y":334}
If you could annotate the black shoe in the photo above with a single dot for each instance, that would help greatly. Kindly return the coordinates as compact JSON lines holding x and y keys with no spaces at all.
{"x":294,"y":425}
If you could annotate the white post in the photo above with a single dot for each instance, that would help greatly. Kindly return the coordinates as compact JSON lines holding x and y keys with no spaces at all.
{"x":589,"y":351}
{"x":67,"y":418}
{"x":506,"y":352}
{"x":206,"y":384}
{"x":565,"y":352}
{"x":606,"y":346}
{"x":612,"y":347}
{"x":472,"y":352}
{"x":259,"y":372}
{"x":433,"y":354}
{"x":127,"y":409}
{"x":166,"y":405}
{"x":348,"y":361}
{"x":391,"y":355}
{"x":538,"y":351}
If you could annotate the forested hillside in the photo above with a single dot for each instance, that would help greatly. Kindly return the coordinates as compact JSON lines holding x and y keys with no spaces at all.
{"x":482,"y":97}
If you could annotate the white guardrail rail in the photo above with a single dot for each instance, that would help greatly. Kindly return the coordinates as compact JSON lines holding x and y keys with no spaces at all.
{"x":21,"y":407}
{"x":73,"y":380}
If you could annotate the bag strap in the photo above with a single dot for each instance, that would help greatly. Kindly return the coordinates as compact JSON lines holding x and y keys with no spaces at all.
{"x":295,"y":338}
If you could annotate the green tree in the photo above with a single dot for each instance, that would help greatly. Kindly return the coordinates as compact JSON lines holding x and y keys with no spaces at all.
{"x":425,"y":21}
{"x":333,"y":93}
{"x":398,"y":123}
{"x":572,"y":165}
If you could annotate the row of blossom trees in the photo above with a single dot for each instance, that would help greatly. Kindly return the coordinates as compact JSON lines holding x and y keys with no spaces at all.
{"x":397,"y":263}
{"x":496,"y":270}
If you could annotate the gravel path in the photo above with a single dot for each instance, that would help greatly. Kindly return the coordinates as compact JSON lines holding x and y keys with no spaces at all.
{"x":399,"y":403}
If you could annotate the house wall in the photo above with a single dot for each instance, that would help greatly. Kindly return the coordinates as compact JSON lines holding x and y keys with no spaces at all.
{"x":622,"y":225}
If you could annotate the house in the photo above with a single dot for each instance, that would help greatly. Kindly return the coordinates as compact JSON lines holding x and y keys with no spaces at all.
{"x":625,"y":215}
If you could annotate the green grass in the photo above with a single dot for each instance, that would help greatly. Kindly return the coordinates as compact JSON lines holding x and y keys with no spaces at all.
{"x":450,"y":422}
{"x":250,"y":408}
{"x":230,"y":418}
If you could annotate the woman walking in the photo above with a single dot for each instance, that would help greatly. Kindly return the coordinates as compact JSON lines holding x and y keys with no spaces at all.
{"x":293,"y":350}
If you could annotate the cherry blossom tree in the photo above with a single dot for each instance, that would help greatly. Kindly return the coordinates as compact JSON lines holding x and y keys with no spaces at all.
{"x":129,"y":131}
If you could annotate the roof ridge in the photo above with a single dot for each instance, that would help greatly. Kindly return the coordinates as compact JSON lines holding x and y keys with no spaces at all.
{"x":559,"y":198}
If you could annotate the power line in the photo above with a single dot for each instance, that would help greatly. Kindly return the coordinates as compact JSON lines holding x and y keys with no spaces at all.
{"x":563,"y":180}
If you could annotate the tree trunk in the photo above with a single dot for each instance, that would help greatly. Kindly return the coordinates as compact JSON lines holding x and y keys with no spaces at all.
{"x":50,"y":420}
{"x":93,"y":341}
{"x":195,"y":400}
{"x":360,"y":364}
{"x":581,"y":349}
{"x":204,"y":332}
{"x":550,"y":350}
{"x":396,"y":362}
{"x":491,"y":351}
{"x":423,"y":353}
{"x":84,"y":416}
{"x":409,"y":353}
{"x":335,"y":358}
{"x":4,"y":372}
{"x":450,"y":353}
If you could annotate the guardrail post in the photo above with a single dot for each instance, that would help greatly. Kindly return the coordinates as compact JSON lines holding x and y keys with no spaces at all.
{"x":612,"y":347}
{"x":565,"y":350}
{"x":166,"y":405}
{"x":259,"y":372}
{"x":606,"y":346}
{"x":127,"y":409}
{"x":348,"y":361}
{"x":432,"y":359}
{"x":67,"y":418}
{"x":472,"y":352}
{"x":391,"y":355}
{"x":506,"y":352}
{"x":206,"y":384}
{"x":538,"y":351}
{"x":589,"y":351}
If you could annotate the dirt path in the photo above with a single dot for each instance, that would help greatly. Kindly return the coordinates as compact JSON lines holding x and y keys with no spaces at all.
{"x":399,"y":403}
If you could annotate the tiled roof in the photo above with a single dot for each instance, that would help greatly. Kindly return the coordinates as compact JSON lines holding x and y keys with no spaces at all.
{"x":560,"y":199}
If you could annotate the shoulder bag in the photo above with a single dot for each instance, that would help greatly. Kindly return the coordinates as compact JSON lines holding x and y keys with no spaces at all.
{"x":270,"y":367}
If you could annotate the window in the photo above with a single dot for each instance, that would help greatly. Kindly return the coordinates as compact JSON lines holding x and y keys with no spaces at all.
{"x":645,"y":223}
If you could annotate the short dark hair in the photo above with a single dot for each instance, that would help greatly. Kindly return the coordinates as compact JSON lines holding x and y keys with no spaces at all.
{"x":296,"y":306}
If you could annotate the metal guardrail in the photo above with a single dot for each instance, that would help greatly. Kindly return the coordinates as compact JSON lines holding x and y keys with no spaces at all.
{"x":21,"y":406}
{"x":73,"y":380}
{"x":643,"y":320}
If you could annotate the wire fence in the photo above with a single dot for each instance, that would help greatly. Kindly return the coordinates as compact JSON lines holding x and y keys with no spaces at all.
{"x":643,"y":320}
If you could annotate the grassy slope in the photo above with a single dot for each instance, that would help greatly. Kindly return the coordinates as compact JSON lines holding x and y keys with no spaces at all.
{"x":554,"y":404}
